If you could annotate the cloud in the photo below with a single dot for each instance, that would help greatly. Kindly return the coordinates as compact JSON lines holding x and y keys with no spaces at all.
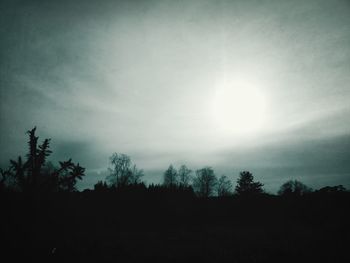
{"x":139,"y":76}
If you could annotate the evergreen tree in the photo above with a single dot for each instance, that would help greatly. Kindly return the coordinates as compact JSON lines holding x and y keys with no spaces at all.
{"x":246,"y":185}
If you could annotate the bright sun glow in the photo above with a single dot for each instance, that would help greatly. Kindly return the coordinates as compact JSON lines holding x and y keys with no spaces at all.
{"x":239,"y":109}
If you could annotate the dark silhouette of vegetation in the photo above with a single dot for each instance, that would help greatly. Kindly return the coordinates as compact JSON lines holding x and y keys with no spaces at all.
{"x":4,"y":179}
{"x":101,"y":186}
{"x":35,"y":174}
{"x":123,"y":172}
{"x":204,"y":182}
{"x":332,"y":189}
{"x":67,"y":175}
{"x":181,"y":220}
{"x":294,"y":188}
{"x":170,"y":176}
{"x":184,"y":175}
{"x":246,"y":185}
{"x":224,"y":186}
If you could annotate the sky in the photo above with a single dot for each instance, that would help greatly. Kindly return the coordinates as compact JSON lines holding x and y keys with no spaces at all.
{"x":236,"y":85}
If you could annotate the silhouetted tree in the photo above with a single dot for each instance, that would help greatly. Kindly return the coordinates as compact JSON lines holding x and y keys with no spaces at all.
{"x":246,"y":185}
{"x":184,"y":175}
{"x":137,"y":174}
{"x":224,"y":186}
{"x":3,"y":175}
{"x":293,"y":188}
{"x":51,"y":178}
{"x":68,"y":175}
{"x":170,"y":177}
{"x":123,"y":173}
{"x":36,"y":175}
{"x":36,"y":158}
{"x":18,"y":168}
{"x":5,"y":179}
{"x":101,"y":186}
{"x":204,"y":182}
{"x":332,"y":189}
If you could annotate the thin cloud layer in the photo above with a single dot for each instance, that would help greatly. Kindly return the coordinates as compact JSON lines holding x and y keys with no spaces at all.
{"x":140,"y":77}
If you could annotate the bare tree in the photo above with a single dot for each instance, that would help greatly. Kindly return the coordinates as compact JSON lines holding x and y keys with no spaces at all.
{"x":204,"y":182}
{"x":123,"y":172}
{"x":170,"y":177}
{"x":224,"y":186}
{"x":184,"y":175}
{"x":294,"y":188}
{"x":137,"y":174}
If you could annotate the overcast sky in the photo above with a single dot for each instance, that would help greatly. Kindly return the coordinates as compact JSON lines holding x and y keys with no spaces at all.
{"x":150,"y":78}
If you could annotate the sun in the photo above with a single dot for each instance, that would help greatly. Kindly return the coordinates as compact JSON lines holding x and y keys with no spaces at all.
{"x":239,"y":108}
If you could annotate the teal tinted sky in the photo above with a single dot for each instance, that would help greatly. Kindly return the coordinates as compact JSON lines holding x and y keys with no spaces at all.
{"x":141,"y":77}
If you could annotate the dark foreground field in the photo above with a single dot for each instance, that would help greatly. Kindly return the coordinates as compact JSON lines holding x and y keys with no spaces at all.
{"x":171,"y":227}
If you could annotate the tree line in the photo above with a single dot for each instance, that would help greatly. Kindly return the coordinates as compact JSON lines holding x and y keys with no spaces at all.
{"x":203,"y":182}
{"x":35,"y":173}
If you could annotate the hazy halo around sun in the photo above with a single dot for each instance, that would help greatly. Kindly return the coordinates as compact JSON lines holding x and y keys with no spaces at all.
{"x":238,"y":108}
